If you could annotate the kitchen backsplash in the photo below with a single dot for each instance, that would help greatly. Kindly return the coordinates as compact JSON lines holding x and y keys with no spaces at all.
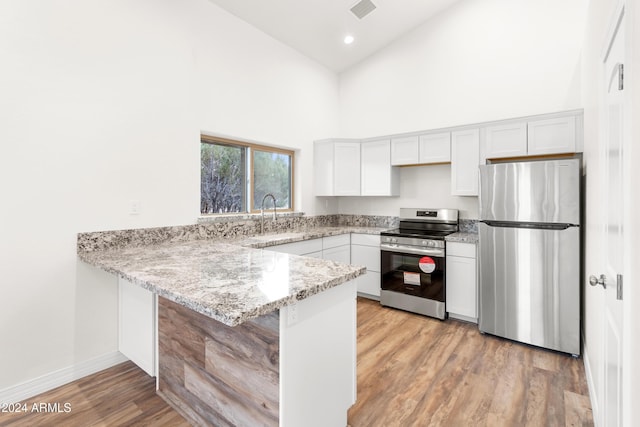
{"x":233,"y":227}
{"x":222,"y":227}
{"x":367,"y":221}
{"x":468,"y":225}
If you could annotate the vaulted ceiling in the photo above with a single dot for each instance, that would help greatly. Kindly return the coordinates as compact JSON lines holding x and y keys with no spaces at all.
{"x":317,"y":28}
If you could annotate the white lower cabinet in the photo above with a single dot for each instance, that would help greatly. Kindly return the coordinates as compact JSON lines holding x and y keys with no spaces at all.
{"x":369,"y":285}
{"x":462,"y":281}
{"x":338,"y":254}
{"x":355,"y":249}
{"x":137,"y":325}
{"x":311,"y":247}
{"x":365,"y":250}
{"x":337,"y":248}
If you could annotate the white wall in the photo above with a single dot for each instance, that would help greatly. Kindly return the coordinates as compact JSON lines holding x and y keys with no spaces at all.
{"x":477,"y":61}
{"x":103,"y":103}
{"x":264,"y":93}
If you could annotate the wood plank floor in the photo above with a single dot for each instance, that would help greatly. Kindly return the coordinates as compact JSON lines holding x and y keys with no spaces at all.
{"x":418,"y":371}
{"x":123,"y":395}
{"x":412,"y":371}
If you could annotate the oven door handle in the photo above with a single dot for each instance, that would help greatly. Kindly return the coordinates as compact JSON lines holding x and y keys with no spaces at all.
{"x":413,"y":251}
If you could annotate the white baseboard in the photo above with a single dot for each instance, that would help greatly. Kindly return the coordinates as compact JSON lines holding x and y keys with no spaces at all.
{"x":64,"y":376}
{"x":589,"y":375}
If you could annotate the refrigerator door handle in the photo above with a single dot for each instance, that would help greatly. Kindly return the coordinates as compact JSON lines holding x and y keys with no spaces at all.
{"x":532,"y":225}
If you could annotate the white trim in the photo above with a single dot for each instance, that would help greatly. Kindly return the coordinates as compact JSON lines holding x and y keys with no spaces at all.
{"x":614,"y":25}
{"x":63,"y":376}
{"x":591,"y":385}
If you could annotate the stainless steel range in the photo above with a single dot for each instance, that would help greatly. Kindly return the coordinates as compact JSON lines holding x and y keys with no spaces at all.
{"x":413,"y":276}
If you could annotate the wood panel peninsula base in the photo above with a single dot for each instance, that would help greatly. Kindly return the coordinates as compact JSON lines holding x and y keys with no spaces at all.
{"x":293,"y":367}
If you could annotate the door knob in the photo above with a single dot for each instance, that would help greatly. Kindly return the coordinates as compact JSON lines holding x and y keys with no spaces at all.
{"x":595,"y":281}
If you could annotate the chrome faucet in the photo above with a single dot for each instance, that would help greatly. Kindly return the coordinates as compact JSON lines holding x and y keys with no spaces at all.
{"x":262,"y":211}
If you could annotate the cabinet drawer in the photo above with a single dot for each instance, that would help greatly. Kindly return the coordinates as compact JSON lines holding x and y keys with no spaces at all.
{"x":365,"y":239}
{"x":335,"y":241}
{"x":467,"y":250}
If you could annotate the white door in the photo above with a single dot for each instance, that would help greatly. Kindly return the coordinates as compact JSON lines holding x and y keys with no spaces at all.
{"x":610,"y":236}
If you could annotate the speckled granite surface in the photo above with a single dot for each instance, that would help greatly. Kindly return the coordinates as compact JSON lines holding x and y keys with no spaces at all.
{"x":224,"y":228}
{"x":226,"y":282}
{"x":468,"y":225}
{"x":462,"y":237}
{"x":265,"y":241}
{"x":218,"y":269}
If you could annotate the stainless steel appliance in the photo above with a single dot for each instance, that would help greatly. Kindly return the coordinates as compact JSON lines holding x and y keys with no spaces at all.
{"x":529,"y":257}
{"x":412,"y":260}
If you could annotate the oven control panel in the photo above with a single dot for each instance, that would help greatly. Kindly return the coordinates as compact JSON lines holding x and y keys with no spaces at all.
{"x":410,"y":241}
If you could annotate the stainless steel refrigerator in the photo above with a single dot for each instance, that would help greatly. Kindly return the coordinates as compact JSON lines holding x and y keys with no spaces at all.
{"x":529,"y":257}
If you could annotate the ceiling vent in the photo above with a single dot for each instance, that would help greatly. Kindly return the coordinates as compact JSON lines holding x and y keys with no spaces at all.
{"x":363,"y":8}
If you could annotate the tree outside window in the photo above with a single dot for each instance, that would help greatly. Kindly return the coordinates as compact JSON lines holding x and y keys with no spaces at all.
{"x":271,"y":174}
{"x":231,"y":184}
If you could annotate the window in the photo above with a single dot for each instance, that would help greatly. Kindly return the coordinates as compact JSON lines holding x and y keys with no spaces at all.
{"x":236,"y":176}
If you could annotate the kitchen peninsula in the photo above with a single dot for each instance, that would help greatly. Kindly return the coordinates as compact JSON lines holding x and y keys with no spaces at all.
{"x":246,"y":336}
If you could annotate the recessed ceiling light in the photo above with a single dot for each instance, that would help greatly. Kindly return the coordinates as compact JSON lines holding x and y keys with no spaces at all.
{"x":348,"y":39}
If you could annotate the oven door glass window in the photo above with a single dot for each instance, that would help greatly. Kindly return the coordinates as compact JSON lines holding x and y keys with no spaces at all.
{"x":413,"y":275}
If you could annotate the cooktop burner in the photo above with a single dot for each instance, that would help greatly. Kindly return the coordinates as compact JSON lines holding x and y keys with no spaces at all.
{"x":432,"y":224}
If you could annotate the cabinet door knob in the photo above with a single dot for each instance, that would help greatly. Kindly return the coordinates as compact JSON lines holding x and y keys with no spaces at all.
{"x":595,"y":281}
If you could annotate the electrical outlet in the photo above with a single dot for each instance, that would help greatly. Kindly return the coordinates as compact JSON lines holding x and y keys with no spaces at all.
{"x":134,"y":207}
{"x":292,"y":313}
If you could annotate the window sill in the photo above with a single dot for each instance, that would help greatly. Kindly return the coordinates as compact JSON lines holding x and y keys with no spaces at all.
{"x":205,"y":219}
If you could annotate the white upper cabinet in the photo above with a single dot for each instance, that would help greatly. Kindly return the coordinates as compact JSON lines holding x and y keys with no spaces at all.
{"x":509,"y":140}
{"x":323,"y":168}
{"x":378,"y":177}
{"x":557,"y":134}
{"x":336,"y":165}
{"x":465,"y":159}
{"x":404,"y":151}
{"x":347,"y":169}
{"x":421,"y":149}
{"x":551,"y":136}
{"x":435,"y":148}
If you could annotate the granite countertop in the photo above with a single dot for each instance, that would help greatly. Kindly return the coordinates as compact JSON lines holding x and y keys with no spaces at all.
{"x":230,"y":280}
{"x":267,"y":240}
{"x":462,"y":237}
